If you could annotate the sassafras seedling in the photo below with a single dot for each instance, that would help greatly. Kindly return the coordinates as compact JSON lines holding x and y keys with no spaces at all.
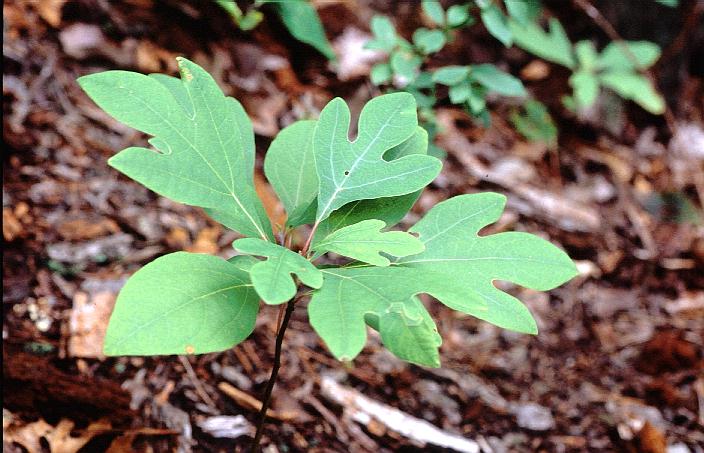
{"x":351,"y":192}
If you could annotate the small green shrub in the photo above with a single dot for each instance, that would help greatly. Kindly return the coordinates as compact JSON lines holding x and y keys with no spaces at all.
{"x":351,"y":192}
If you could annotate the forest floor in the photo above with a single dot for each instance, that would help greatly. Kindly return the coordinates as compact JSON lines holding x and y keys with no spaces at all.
{"x":618,"y":363}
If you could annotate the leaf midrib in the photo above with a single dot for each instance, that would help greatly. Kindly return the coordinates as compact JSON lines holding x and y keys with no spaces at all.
{"x":339,"y":188}
{"x":230,"y":190}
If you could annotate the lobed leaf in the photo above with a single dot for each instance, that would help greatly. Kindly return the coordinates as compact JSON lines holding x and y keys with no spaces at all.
{"x":204,"y":141}
{"x":364,"y":241}
{"x":272,"y":279}
{"x":351,"y":171}
{"x":553,"y":45}
{"x":388,"y":209}
{"x":182,"y":303}
{"x":614,"y":57}
{"x":353,"y":297}
{"x":635,"y":87}
{"x":453,"y":247}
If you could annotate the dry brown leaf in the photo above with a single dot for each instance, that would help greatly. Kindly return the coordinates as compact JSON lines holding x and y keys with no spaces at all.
{"x":50,"y":11}
{"x":206,"y":241}
{"x":88,"y":323}
{"x":11,"y":226}
{"x":58,"y":437}
{"x":273,"y":207}
{"x":80,"y":229}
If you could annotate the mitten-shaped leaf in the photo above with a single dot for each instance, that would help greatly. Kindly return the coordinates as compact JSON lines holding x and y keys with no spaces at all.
{"x":182,"y":303}
{"x":350,"y":171}
{"x":364,"y":241}
{"x":273,"y":279}
{"x":204,"y":141}
{"x":453,"y":247}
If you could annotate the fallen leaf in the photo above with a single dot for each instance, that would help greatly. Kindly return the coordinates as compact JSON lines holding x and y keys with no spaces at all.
{"x":89,"y":321}
{"x":50,"y":11}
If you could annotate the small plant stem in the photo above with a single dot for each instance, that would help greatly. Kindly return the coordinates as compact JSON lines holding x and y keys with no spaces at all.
{"x":304,"y":251}
{"x":272,"y":379}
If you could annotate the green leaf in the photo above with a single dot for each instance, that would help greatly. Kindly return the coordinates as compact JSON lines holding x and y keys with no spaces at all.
{"x":302,"y":21}
{"x":586,"y":88}
{"x":586,"y":55}
{"x":289,"y":165}
{"x":381,"y":73}
{"x":537,"y":124}
{"x":451,"y":75}
{"x":350,"y":171}
{"x":496,"y":80}
{"x":434,"y":11}
{"x":182,"y":303}
{"x":385,"y":37}
{"x":388,"y":209}
{"x":523,"y":11}
{"x":364,"y":241}
{"x":338,"y":310}
{"x":614,"y":57}
{"x":553,"y":46}
{"x":458,"y":15}
{"x":497,"y":24}
{"x":453,"y":247}
{"x":460,"y":93}
{"x":272,"y":279}
{"x":205,"y":151}
{"x":409,"y":332}
{"x":428,"y":41}
{"x":635,"y":87}
{"x":405,"y":65}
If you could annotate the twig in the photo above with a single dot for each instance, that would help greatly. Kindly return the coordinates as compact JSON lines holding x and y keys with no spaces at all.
{"x":247,"y":401}
{"x":364,"y":410}
{"x":274,"y":372}
{"x":601,"y":21}
{"x":196,"y":382}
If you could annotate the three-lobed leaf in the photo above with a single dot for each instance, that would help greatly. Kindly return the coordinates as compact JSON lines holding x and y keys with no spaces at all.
{"x":553,"y":45}
{"x":350,"y":171}
{"x":204,"y":141}
{"x":182,"y":303}
{"x":452,"y":247}
{"x":353,"y":297}
{"x":273,"y":278}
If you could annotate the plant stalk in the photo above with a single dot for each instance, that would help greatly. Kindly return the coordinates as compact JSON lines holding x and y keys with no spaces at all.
{"x":272,"y":379}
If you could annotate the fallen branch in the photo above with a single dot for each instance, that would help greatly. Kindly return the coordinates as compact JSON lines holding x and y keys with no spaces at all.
{"x":365,"y":410}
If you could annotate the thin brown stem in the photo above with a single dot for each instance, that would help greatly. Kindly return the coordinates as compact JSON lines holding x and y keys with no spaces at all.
{"x":272,"y":379}
{"x":304,"y":251}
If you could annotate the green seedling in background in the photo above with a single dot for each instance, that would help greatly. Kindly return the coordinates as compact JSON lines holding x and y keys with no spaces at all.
{"x":298,"y":16}
{"x":352,"y":192}
{"x":617,"y":67}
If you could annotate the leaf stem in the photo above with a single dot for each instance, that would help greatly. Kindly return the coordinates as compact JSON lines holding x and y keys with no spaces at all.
{"x":304,"y":251}
{"x":272,"y":379}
